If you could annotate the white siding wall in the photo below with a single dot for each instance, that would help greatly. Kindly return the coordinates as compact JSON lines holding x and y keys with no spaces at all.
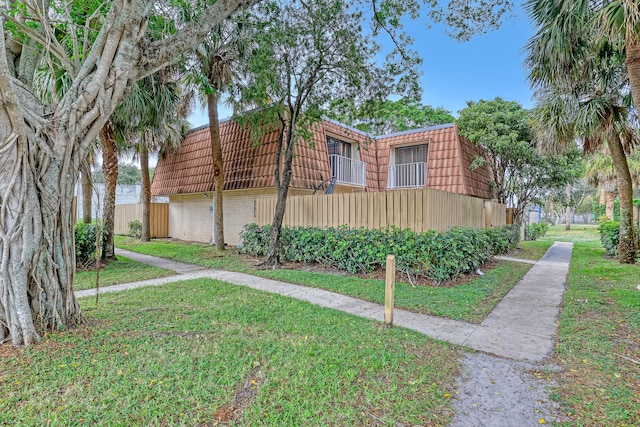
{"x":125,"y":194}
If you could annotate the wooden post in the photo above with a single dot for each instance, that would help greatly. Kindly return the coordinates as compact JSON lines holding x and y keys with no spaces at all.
{"x":389,"y":290}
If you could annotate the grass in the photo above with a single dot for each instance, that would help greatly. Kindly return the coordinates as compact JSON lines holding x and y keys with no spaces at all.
{"x":203,"y":352}
{"x":531,"y":250}
{"x":122,"y":270}
{"x":470,"y":302}
{"x":598,"y":343}
{"x":578,"y":233}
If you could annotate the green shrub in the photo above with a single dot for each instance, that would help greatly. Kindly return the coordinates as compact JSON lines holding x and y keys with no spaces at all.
{"x":616,"y":208}
{"x":438,"y":255}
{"x":535,"y":231}
{"x":85,"y":239}
{"x":502,"y":240}
{"x":135,"y":229}
{"x":609,"y":236}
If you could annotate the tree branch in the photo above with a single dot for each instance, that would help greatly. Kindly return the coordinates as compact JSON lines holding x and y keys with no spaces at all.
{"x":158,"y":54}
{"x":55,"y":48}
{"x":376,"y":17}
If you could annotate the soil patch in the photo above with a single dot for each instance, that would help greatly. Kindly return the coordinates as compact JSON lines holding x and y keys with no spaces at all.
{"x":8,"y":350}
{"x":379,"y":273}
{"x":497,"y":392}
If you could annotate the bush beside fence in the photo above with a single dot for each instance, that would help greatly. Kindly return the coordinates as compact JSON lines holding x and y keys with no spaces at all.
{"x":440,"y":256}
{"x":535,"y":230}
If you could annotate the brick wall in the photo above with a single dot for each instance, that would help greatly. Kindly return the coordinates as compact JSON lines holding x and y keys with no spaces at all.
{"x":191,"y":216}
{"x":239,"y":210}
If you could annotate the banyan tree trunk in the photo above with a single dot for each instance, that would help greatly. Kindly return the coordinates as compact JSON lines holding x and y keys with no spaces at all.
{"x":41,"y":146}
{"x":36,"y":242}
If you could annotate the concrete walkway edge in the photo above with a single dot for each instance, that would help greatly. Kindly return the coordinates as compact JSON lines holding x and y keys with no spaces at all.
{"x":522,"y":326}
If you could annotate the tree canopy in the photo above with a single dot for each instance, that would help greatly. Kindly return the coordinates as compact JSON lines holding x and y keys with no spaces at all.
{"x":384,"y":117}
{"x":520,"y":172}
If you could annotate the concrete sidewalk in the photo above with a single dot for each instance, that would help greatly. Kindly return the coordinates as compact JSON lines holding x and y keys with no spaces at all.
{"x":522,"y":326}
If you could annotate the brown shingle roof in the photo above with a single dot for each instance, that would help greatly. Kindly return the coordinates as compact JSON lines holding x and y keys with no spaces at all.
{"x":247,"y":165}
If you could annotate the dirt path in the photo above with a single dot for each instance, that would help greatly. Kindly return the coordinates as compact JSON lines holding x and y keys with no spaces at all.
{"x":497,"y":392}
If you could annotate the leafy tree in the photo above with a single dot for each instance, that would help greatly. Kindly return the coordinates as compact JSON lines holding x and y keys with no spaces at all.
{"x":384,"y":117}
{"x":104,"y":47}
{"x":129,"y":174}
{"x":583,"y":89}
{"x":520,"y":173}
{"x":297,"y":66}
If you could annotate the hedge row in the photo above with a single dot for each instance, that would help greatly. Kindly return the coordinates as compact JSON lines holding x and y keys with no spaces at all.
{"x":535,"y":230}
{"x":438,"y":255}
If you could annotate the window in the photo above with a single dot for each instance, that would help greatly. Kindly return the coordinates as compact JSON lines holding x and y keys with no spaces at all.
{"x":340,"y":148}
{"x":413,"y":154}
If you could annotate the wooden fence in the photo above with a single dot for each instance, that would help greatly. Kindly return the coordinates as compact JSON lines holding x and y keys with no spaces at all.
{"x":417,"y":209}
{"x":159,"y":218}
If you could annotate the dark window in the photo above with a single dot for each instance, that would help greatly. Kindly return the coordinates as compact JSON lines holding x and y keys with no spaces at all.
{"x":413,"y":154}
{"x":341,"y":148}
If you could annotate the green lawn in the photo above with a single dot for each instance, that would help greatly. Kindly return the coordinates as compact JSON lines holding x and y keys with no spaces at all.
{"x":598,"y":344}
{"x":203,"y":352}
{"x":470,"y":301}
{"x":578,"y":233}
{"x":532,"y":250}
{"x":122,"y":270}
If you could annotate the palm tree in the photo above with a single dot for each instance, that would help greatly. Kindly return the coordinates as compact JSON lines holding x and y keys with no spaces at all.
{"x":601,"y":173}
{"x":152,"y":118}
{"x":108,"y":144}
{"x":217,"y":58}
{"x":620,"y":20}
{"x":583,"y":93}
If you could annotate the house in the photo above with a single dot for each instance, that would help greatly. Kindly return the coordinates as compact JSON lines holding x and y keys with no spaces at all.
{"x":125,"y":194}
{"x":434,"y":157}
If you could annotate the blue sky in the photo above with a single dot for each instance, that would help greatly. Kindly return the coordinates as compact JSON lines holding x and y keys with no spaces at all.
{"x":488,"y":66}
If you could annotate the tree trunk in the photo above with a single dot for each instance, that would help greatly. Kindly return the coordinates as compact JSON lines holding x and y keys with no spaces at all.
{"x":567,"y":217}
{"x":146,"y":193}
{"x":551,"y":211}
{"x":37,"y":254}
{"x":272,"y":259}
{"x":632,"y":50}
{"x":609,"y":204}
{"x":218,"y":170}
{"x":603,"y":196}
{"x":87,"y":192}
{"x":110,"y":171}
{"x":626,"y":245}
